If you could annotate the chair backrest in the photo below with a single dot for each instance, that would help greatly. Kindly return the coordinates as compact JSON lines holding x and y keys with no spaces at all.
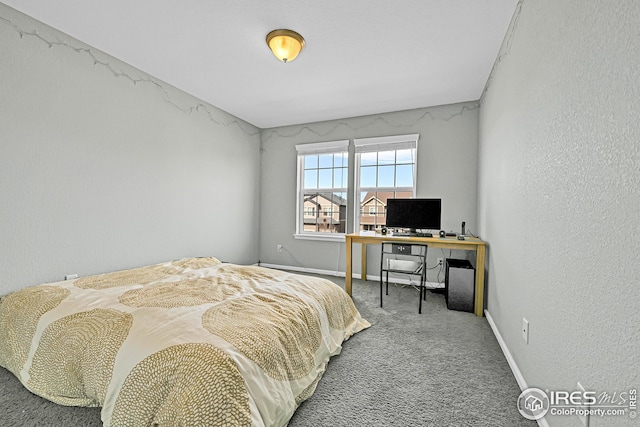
{"x":408,"y":258}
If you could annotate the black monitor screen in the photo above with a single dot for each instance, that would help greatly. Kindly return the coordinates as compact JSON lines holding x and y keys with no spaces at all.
{"x":416,"y":214}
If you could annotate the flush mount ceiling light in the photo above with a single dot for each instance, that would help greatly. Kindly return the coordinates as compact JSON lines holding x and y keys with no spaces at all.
{"x":285,"y":44}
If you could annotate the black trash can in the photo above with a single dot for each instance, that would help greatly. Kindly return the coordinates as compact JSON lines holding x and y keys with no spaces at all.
{"x":460,"y":285}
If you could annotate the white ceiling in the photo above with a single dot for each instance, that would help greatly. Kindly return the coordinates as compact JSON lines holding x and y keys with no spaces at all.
{"x":361,"y":57}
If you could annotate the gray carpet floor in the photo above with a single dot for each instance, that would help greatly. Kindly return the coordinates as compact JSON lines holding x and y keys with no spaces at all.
{"x":438,"y":368}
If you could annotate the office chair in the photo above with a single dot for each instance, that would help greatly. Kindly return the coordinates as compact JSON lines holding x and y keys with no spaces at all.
{"x":404,"y":258}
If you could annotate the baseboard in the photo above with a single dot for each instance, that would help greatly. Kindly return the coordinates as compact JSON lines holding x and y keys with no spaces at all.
{"x":522,"y":383}
{"x":305,"y":270}
{"x":370,"y":278}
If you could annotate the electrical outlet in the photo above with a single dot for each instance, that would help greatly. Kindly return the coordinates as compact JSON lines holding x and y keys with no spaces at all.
{"x":278,"y":248}
{"x":525,"y":330}
{"x":440,"y":261}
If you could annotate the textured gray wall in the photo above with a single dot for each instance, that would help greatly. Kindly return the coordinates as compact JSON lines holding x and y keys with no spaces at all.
{"x":103,"y":167}
{"x":447,"y":168}
{"x":559,"y":195}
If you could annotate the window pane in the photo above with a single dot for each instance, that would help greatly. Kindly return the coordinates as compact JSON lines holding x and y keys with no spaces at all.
{"x":340,"y":177}
{"x":310,"y":206}
{"x":340,"y":159}
{"x":323,"y":211}
{"x":326,"y":160}
{"x":395,"y":169}
{"x":381,"y":173}
{"x":311,"y":179}
{"x":405,"y":156}
{"x":382,"y":213}
{"x":311,"y":211}
{"x":310,"y":161}
{"x":368,"y":159}
{"x":373,"y":209}
{"x":404,"y":175}
{"x":385,"y":176}
{"x":368,"y":176}
{"x":325,"y":178}
{"x":367,"y":222}
{"x":386,"y":157}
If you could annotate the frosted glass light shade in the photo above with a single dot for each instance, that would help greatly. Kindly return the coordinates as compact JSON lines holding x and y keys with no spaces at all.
{"x":285,"y":44}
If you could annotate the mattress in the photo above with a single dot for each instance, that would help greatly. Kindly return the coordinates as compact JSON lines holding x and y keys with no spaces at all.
{"x":193,"y":342}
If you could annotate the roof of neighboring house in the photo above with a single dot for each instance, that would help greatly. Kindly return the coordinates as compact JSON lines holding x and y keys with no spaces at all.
{"x":382,"y":196}
{"x":331,"y":197}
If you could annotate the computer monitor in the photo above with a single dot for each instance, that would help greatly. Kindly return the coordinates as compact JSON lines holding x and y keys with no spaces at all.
{"x":414,"y":214}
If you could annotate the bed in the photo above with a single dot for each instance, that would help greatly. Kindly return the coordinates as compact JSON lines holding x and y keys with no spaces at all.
{"x":193,"y":342}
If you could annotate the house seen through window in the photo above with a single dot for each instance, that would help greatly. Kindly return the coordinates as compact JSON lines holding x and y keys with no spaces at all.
{"x":323,"y":170}
{"x":385,"y":168}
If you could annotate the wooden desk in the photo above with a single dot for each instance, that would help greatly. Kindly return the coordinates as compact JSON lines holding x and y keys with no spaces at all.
{"x":469,"y":244}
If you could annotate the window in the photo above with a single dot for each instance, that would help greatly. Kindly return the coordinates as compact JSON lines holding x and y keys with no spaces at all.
{"x":385,"y":169}
{"x":322,"y":189}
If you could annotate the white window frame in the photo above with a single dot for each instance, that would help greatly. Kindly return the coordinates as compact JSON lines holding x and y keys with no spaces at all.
{"x":341,"y":146}
{"x":377,"y":144}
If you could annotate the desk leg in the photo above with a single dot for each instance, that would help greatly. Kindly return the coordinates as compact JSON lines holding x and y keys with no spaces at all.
{"x":349,"y":273}
{"x":479,"y":302}
{"x":363,"y":273}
